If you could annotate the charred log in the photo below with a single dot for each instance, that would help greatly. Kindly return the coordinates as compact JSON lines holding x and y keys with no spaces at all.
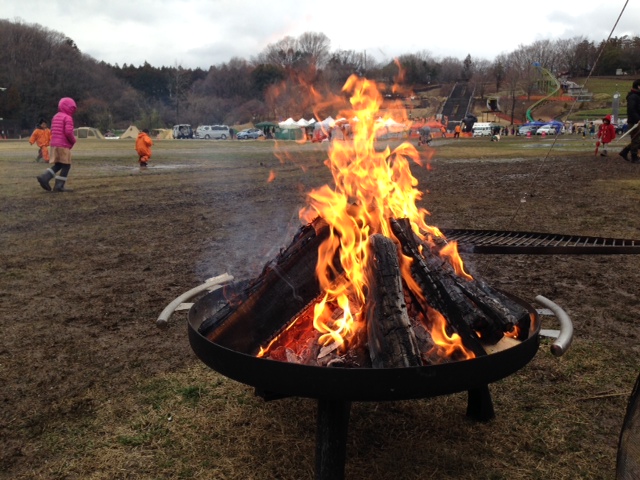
{"x":284,"y":287}
{"x":442,"y":294}
{"x":497,"y":306}
{"x":392,"y":342}
{"x":501,"y":309}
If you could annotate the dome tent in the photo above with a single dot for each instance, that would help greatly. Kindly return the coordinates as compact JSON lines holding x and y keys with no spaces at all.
{"x":131,"y":132}
{"x":88,"y":132}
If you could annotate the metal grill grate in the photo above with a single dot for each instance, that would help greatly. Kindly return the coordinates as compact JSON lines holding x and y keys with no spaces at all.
{"x":497,"y":241}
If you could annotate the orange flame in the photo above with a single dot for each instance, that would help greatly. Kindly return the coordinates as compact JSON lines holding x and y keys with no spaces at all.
{"x":370,"y":187}
{"x":450,"y":252}
{"x":446,"y":345}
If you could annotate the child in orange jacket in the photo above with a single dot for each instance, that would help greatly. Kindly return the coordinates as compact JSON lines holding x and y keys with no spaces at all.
{"x":41,"y":136}
{"x":606,"y":133}
{"x":143,"y":147}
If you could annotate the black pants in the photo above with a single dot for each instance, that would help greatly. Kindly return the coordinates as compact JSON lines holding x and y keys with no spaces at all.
{"x":61,"y":169}
{"x":634,"y":143}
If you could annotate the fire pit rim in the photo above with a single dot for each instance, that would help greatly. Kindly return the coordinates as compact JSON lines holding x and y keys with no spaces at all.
{"x":357,"y":384}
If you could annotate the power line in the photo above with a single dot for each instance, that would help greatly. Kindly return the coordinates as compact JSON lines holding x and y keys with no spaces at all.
{"x":523,"y":199}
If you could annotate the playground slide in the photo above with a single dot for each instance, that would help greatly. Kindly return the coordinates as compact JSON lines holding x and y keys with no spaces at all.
{"x":545,"y":74}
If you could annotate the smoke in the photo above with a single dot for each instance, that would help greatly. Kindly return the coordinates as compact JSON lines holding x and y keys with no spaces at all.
{"x":247,"y":241}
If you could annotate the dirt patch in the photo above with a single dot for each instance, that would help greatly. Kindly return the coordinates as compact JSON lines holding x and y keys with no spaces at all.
{"x":91,"y":389}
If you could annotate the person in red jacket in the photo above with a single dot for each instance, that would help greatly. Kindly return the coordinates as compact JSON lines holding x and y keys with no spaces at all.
{"x":143,"y":147}
{"x":606,"y":133}
{"x":62,"y":141}
{"x":41,"y":136}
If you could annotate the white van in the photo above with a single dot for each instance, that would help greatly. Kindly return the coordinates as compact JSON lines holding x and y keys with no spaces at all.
{"x":218,"y":132}
{"x":183,"y":130}
{"x":483,"y":129}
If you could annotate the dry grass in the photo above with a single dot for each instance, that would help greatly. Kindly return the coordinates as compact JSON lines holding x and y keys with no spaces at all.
{"x":92,"y":390}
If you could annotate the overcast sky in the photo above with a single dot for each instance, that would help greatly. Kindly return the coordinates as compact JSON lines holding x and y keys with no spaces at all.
{"x":210,"y":32}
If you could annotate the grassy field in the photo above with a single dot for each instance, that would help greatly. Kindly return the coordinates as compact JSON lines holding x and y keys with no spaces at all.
{"x":603,"y":90}
{"x":91,"y":389}
{"x":606,"y":85}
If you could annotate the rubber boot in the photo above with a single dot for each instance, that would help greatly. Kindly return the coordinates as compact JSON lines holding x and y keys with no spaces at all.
{"x":45,"y":178}
{"x":624,"y":152}
{"x":59,"y":185}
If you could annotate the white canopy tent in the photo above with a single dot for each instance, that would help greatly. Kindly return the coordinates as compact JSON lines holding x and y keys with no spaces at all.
{"x":289,"y":122}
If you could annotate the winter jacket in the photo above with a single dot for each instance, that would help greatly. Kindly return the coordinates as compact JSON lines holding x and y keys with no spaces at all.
{"x":633,"y":107}
{"x":606,"y":131}
{"x":41,"y":137}
{"x":62,"y":124}
{"x":143,"y":145}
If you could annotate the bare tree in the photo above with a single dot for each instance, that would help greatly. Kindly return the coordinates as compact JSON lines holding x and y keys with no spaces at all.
{"x":450,"y":69}
{"x":178,"y":86}
{"x":482,"y":75}
{"x":315,"y":47}
{"x":285,"y":53}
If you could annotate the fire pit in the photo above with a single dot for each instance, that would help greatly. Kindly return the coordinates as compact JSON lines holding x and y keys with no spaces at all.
{"x":273,"y":378}
{"x":335,"y":388}
{"x":367,"y":303}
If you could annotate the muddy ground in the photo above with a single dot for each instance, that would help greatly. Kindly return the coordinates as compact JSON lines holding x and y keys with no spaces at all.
{"x":90,"y":388}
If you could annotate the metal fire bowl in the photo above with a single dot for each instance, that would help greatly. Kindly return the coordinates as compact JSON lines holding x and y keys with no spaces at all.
{"x":277,"y":378}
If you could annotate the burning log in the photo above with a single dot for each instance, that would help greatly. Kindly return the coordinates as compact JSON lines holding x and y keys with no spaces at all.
{"x":392,"y":342}
{"x":484,"y":309}
{"x":498,"y":307}
{"x":279,"y":305}
{"x":268,"y":303}
{"x":441,"y":292}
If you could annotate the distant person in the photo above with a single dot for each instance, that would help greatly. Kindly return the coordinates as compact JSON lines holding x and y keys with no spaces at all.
{"x":633,"y":119}
{"x":41,"y":136}
{"x":62,"y":141}
{"x":606,"y":133}
{"x":425,"y":137}
{"x":143,"y":147}
{"x":456,"y":131}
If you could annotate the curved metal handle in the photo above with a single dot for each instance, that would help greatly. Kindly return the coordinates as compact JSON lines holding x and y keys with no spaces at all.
{"x":212,"y":283}
{"x":562,"y":343}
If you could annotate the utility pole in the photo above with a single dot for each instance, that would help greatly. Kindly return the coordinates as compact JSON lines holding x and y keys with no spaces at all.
{"x":615,"y":107}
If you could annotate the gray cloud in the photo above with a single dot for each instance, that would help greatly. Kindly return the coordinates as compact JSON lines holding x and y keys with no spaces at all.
{"x":200,"y":34}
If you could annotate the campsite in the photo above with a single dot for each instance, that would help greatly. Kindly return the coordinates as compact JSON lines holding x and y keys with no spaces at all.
{"x":93,"y":389}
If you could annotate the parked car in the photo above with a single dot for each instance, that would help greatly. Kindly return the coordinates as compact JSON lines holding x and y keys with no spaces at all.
{"x":547,"y":130}
{"x":524,"y":129}
{"x":183,"y":130}
{"x":248,"y":133}
{"x":621,"y":128}
{"x":217,"y":132}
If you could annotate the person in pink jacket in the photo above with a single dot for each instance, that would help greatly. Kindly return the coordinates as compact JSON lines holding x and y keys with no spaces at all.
{"x":62,"y":141}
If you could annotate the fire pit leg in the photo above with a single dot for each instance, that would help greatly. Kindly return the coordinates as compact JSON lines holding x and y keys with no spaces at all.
{"x":480,"y":405}
{"x":331,"y":439}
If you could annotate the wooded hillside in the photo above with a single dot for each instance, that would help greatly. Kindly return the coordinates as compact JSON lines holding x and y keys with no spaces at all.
{"x":39,"y":66}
